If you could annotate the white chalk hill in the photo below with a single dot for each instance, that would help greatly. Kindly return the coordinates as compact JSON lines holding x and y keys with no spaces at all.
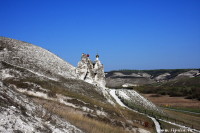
{"x":34,"y":58}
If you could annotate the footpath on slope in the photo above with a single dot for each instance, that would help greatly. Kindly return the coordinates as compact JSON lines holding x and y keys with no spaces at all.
{"x":112,"y":93}
{"x":157,"y":125}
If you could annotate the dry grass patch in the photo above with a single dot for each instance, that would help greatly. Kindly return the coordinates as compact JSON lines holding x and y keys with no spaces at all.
{"x":173,"y":101}
{"x":189,"y":120}
{"x":95,"y":102}
{"x":78,"y":119}
{"x":90,"y":125}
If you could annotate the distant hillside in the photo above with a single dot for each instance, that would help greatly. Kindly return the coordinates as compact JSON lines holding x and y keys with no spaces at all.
{"x":188,"y":88}
{"x":116,"y":79}
{"x":153,"y":73}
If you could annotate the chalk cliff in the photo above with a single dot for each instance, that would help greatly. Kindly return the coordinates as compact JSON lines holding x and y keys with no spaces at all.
{"x":91,"y":72}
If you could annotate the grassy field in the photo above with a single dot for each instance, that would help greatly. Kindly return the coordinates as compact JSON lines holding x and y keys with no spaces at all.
{"x":176,"y":102}
{"x":183,"y":118}
{"x":193,"y":111}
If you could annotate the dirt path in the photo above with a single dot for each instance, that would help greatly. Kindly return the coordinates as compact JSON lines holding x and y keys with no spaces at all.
{"x":113,"y":94}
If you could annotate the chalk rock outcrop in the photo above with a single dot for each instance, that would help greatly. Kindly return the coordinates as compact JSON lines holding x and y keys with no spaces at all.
{"x":189,"y":74}
{"x":91,"y":72}
{"x":162,"y":77}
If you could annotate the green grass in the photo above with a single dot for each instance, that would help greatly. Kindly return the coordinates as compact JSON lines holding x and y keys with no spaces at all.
{"x":194,"y":110}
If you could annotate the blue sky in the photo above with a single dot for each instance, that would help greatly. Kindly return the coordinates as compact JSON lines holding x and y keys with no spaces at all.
{"x":128,"y":34}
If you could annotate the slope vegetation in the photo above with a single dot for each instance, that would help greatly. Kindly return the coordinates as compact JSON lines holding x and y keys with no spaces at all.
{"x":19,"y":114}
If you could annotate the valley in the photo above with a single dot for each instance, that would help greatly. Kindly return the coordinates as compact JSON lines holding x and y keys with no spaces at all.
{"x":173,"y":102}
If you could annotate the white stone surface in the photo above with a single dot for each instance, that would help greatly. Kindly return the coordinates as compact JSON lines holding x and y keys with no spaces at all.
{"x":19,"y":114}
{"x":91,"y":72}
{"x":162,"y":76}
{"x":34,"y":58}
